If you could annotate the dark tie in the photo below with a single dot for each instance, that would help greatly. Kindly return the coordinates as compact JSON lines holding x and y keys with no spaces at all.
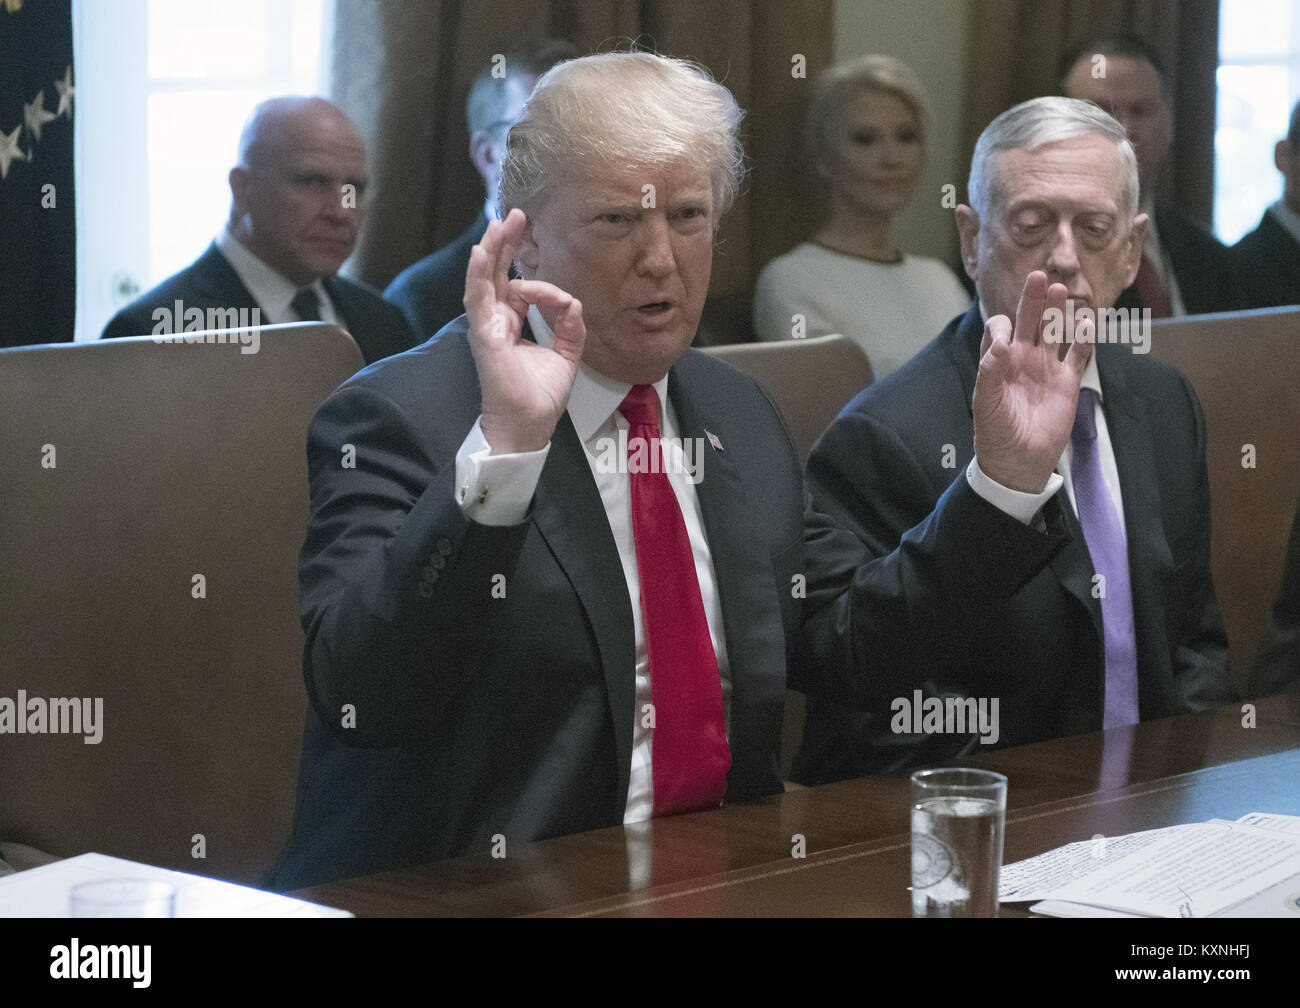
{"x":306,"y":305}
{"x":1103,"y":531}
{"x":1151,"y":291}
{"x":689,"y":752}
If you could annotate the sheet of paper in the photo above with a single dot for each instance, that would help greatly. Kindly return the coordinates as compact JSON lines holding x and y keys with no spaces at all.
{"x":1195,"y":870}
{"x":43,"y":892}
{"x":1043,"y":876}
{"x":1273,"y":821}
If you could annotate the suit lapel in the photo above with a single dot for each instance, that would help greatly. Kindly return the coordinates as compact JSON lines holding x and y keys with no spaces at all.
{"x":751,"y":617}
{"x":570,"y":517}
{"x":216,"y":279}
{"x":350,"y":309}
{"x":1072,"y":564}
{"x":1150,"y":558}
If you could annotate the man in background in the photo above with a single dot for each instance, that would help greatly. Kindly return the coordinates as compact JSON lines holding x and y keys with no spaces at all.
{"x":297,"y":201}
{"x":1119,"y":621}
{"x":429,"y":292}
{"x":1184,"y":269}
{"x":1269,"y":256}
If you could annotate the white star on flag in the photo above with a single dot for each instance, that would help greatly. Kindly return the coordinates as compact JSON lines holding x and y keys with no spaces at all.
{"x":10,"y":151}
{"x":66,"y":91}
{"x":36,"y":114}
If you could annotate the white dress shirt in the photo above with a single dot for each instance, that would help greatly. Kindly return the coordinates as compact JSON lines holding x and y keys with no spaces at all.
{"x":270,"y":290}
{"x":496,"y":490}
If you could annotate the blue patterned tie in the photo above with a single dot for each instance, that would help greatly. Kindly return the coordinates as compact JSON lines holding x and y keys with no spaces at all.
{"x":1103,"y":530}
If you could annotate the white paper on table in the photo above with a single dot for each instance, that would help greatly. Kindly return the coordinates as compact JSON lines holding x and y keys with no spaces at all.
{"x":1194,"y":870}
{"x":1272,"y":821}
{"x":44,"y":891}
{"x":1042,"y":877}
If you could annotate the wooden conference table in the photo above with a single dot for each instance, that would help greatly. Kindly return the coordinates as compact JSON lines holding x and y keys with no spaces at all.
{"x":742,"y":860}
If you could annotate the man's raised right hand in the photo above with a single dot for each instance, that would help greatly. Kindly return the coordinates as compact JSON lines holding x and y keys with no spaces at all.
{"x":525,"y":386}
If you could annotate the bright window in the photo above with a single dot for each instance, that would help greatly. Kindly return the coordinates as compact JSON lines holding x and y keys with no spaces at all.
{"x":1258,"y":85}
{"x":164,"y":87}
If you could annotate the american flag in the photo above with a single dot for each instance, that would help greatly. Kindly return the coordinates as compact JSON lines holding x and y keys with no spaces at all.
{"x":38,"y":231}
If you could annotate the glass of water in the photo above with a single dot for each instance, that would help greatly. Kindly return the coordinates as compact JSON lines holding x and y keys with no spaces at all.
{"x":958,"y":817}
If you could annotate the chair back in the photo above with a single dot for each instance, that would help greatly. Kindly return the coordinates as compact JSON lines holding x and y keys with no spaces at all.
{"x":157,"y":500}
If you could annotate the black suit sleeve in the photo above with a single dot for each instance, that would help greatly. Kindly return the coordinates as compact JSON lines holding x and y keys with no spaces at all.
{"x":396,"y":581}
{"x":896,"y":590}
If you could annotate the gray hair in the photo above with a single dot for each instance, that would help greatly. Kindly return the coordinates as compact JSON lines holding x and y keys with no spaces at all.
{"x":836,"y":85}
{"x":623,"y":109}
{"x":1042,"y":121}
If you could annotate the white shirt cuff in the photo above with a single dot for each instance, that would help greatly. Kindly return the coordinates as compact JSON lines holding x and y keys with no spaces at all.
{"x":495,"y":489}
{"x":1020,"y":506}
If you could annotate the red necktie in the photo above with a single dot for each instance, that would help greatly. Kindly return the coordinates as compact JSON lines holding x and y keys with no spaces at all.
{"x":1151,"y":291}
{"x":689,"y":752}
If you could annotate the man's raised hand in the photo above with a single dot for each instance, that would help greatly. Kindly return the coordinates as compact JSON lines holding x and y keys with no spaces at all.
{"x":1025,"y":393}
{"x":525,"y":386}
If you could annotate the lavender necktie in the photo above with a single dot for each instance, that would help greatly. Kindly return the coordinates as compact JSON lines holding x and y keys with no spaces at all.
{"x":1103,"y":531}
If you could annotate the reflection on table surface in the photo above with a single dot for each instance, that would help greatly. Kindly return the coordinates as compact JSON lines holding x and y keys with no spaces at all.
{"x":843,"y":849}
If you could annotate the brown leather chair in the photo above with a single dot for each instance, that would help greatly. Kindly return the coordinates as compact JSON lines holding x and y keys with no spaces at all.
{"x":810,"y":380}
{"x":169,"y":461}
{"x":1245,"y":367}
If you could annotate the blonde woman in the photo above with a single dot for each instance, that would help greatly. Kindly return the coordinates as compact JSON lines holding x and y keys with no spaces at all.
{"x":864,"y":142}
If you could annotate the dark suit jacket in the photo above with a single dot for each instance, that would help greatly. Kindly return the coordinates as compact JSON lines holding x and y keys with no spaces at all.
{"x":1036,"y":643}
{"x":431,"y":292}
{"x":482,"y":712}
{"x":1277,"y":662}
{"x":1269,"y":263}
{"x":211,"y":282}
{"x":1207,"y":272}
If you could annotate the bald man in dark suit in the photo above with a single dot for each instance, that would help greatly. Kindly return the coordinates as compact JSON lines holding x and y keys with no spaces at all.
{"x":297,"y":201}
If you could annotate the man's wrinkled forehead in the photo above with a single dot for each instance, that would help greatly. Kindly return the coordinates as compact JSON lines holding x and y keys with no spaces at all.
{"x":1077,"y":172}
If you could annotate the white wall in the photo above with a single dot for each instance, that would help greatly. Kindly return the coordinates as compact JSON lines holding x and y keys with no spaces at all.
{"x":931,"y":36}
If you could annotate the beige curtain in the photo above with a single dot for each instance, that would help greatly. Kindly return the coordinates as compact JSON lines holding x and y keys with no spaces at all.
{"x":1016,"y":46}
{"x":402,"y":69}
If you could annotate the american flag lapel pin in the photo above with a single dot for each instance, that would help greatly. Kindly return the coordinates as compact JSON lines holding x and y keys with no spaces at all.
{"x":714,"y":440}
